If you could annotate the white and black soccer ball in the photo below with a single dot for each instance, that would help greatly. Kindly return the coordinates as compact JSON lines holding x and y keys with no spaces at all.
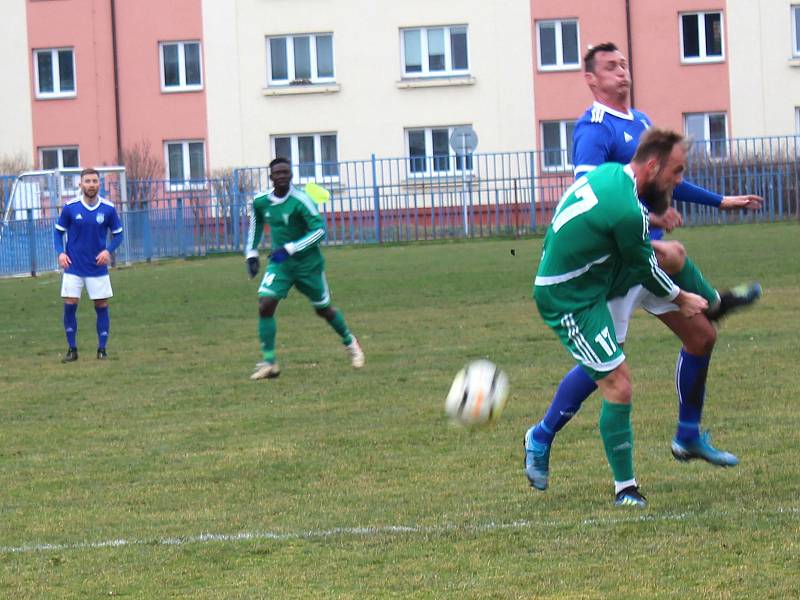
{"x":478,"y":394}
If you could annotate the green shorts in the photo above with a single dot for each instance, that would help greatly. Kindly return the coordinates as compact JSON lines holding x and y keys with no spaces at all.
{"x":307,"y":276}
{"x":589,"y":336}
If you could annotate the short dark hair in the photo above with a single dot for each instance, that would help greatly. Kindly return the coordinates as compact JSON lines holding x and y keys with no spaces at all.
{"x":280,"y":160}
{"x":588,"y":59}
{"x":89,"y":171}
{"x":658,"y":143}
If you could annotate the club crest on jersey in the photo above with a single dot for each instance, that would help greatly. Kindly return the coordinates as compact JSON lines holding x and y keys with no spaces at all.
{"x":285,"y":219}
{"x":100,"y":219}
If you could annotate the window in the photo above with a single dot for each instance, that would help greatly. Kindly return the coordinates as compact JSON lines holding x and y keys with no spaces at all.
{"x":316,"y":154}
{"x":55,"y":72}
{"x":701,"y":37}
{"x":558,"y":45}
{"x":796,"y":31}
{"x":709,"y":132}
{"x":557,"y":145}
{"x":429,"y":152}
{"x":181,"y":69}
{"x":435,"y":51}
{"x":59,"y":158}
{"x":185,"y":161}
{"x":797,"y":120}
{"x":300,"y":59}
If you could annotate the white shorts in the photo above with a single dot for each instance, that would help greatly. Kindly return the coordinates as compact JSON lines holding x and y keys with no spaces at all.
{"x":98,"y":288}
{"x":622,"y":308}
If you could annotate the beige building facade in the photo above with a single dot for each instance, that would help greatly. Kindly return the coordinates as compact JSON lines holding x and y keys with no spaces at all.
{"x":345,"y":79}
{"x":764,"y":39}
{"x":16,"y":122}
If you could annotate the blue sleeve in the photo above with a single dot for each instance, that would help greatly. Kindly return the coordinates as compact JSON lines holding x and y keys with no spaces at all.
{"x":116,"y":225}
{"x":591,"y":147}
{"x":58,"y":240}
{"x":116,"y":240}
{"x":688,"y":192}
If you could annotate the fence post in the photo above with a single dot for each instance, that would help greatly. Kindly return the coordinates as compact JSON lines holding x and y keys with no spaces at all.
{"x":31,"y":242}
{"x":532,"y":190}
{"x":376,"y":201}
{"x":179,"y":225}
{"x":235,"y":216}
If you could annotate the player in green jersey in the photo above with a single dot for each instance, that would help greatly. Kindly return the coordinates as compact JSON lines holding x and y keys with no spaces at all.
{"x":596,"y":247}
{"x":296,"y":230}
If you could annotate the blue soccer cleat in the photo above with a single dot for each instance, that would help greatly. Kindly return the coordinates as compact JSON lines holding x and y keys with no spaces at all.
{"x":630,"y":496}
{"x":702,"y":448}
{"x":537,"y":461}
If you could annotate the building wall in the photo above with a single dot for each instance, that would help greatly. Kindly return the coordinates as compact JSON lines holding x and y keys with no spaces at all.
{"x":87,"y":119}
{"x":16,"y":125}
{"x":370,"y":109}
{"x":765,"y":77}
{"x":147,"y":115}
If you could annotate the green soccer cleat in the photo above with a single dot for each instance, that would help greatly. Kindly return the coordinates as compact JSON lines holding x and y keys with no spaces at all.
{"x":266,"y":370}
{"x":630,"y":496}
{"x":734,"y":299}
{"x":537,"y":461}
{"x":701,"y":448}
{"x":70,"y":356}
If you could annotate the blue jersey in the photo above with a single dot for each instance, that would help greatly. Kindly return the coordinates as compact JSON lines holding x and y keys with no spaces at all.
{"x":87,"y":230}
{"x":603,"y":134}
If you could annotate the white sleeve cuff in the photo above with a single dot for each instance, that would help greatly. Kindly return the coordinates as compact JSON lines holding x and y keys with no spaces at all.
{"x":251,"y":254}
{"x":291,"y":248}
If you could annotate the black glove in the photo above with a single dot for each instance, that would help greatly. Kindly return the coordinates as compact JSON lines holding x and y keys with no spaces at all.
{"x":253,"y":266}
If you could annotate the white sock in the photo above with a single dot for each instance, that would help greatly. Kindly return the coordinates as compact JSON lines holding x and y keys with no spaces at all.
{"x":621,"y":485}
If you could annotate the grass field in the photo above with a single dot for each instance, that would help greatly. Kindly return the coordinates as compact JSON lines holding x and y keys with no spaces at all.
{"x":165,"y":473}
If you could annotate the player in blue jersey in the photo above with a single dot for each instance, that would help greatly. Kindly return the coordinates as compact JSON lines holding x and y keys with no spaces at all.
{"x":85,"y":223}
{"x":609,"y":131}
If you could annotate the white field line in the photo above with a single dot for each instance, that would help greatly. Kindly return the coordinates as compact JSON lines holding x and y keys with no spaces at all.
{"x":204,"y":538}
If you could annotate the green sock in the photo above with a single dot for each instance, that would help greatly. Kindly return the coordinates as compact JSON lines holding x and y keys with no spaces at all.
{"x":266,"y":334}
{"x":615,"y":429}
{"x":690,"y":278}
{"x":338,"y":324}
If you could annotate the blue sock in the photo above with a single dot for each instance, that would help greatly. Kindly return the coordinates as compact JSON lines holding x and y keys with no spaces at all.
{"x":71,"y":324}
{"x":690,"y":379}
{"x":572,"y":391}
{"x":103,"y":322}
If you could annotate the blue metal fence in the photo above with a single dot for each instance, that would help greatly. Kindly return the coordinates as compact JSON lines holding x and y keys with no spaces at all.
{"x":384,"y":200}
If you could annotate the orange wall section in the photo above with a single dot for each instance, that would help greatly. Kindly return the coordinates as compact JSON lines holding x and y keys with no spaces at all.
{"x":146,"y":113}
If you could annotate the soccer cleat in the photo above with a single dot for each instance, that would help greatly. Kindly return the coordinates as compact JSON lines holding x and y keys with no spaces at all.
{"x":630,"y":496}
{"x":266,"y":370}
{"x":537,"y":461}
{"x":702,"y":448}
{"x":70,"y":356}
{"x":102,"y":354}
{"x":356,"y":353}
{"x":734,"y":299}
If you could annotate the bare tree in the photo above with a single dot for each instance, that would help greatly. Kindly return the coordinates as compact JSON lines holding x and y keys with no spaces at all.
{"x":141,"y":169}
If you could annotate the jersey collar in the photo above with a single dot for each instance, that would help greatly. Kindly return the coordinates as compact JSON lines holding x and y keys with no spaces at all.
{"x":275,"y":200}
{"x":627,"y":116}
{"x":88,"y":207}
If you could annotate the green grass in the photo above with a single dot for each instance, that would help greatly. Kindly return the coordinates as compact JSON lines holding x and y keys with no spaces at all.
{"x":351,"y":484}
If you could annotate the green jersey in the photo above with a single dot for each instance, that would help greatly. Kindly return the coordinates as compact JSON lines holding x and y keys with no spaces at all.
{"x":294,"y":223}
{"x":598,"y":243}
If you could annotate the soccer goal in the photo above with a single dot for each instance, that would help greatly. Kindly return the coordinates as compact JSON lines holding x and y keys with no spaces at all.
{"x":31,"y":209}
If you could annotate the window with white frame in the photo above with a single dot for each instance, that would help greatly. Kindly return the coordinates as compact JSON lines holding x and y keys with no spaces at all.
{"x":558,"y":44}
{"x":315,"y":155}
{"x":797,"y":120}
{"x":701,"y":37}
{"x":429,"y":152}
{"x":59,"y":158}
{"x":435,"y":51}
{"x":181,"y":68}
{"x":300,"y":59}
{"x":708,"y":131}
{"x":796,"y":31}
{"x":55,"y":72}
{"x":557,"y":145}
{"x":186,"y":160}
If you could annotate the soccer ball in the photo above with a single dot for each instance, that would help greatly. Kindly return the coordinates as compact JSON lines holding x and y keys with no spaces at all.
{"x":478,"y":394}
